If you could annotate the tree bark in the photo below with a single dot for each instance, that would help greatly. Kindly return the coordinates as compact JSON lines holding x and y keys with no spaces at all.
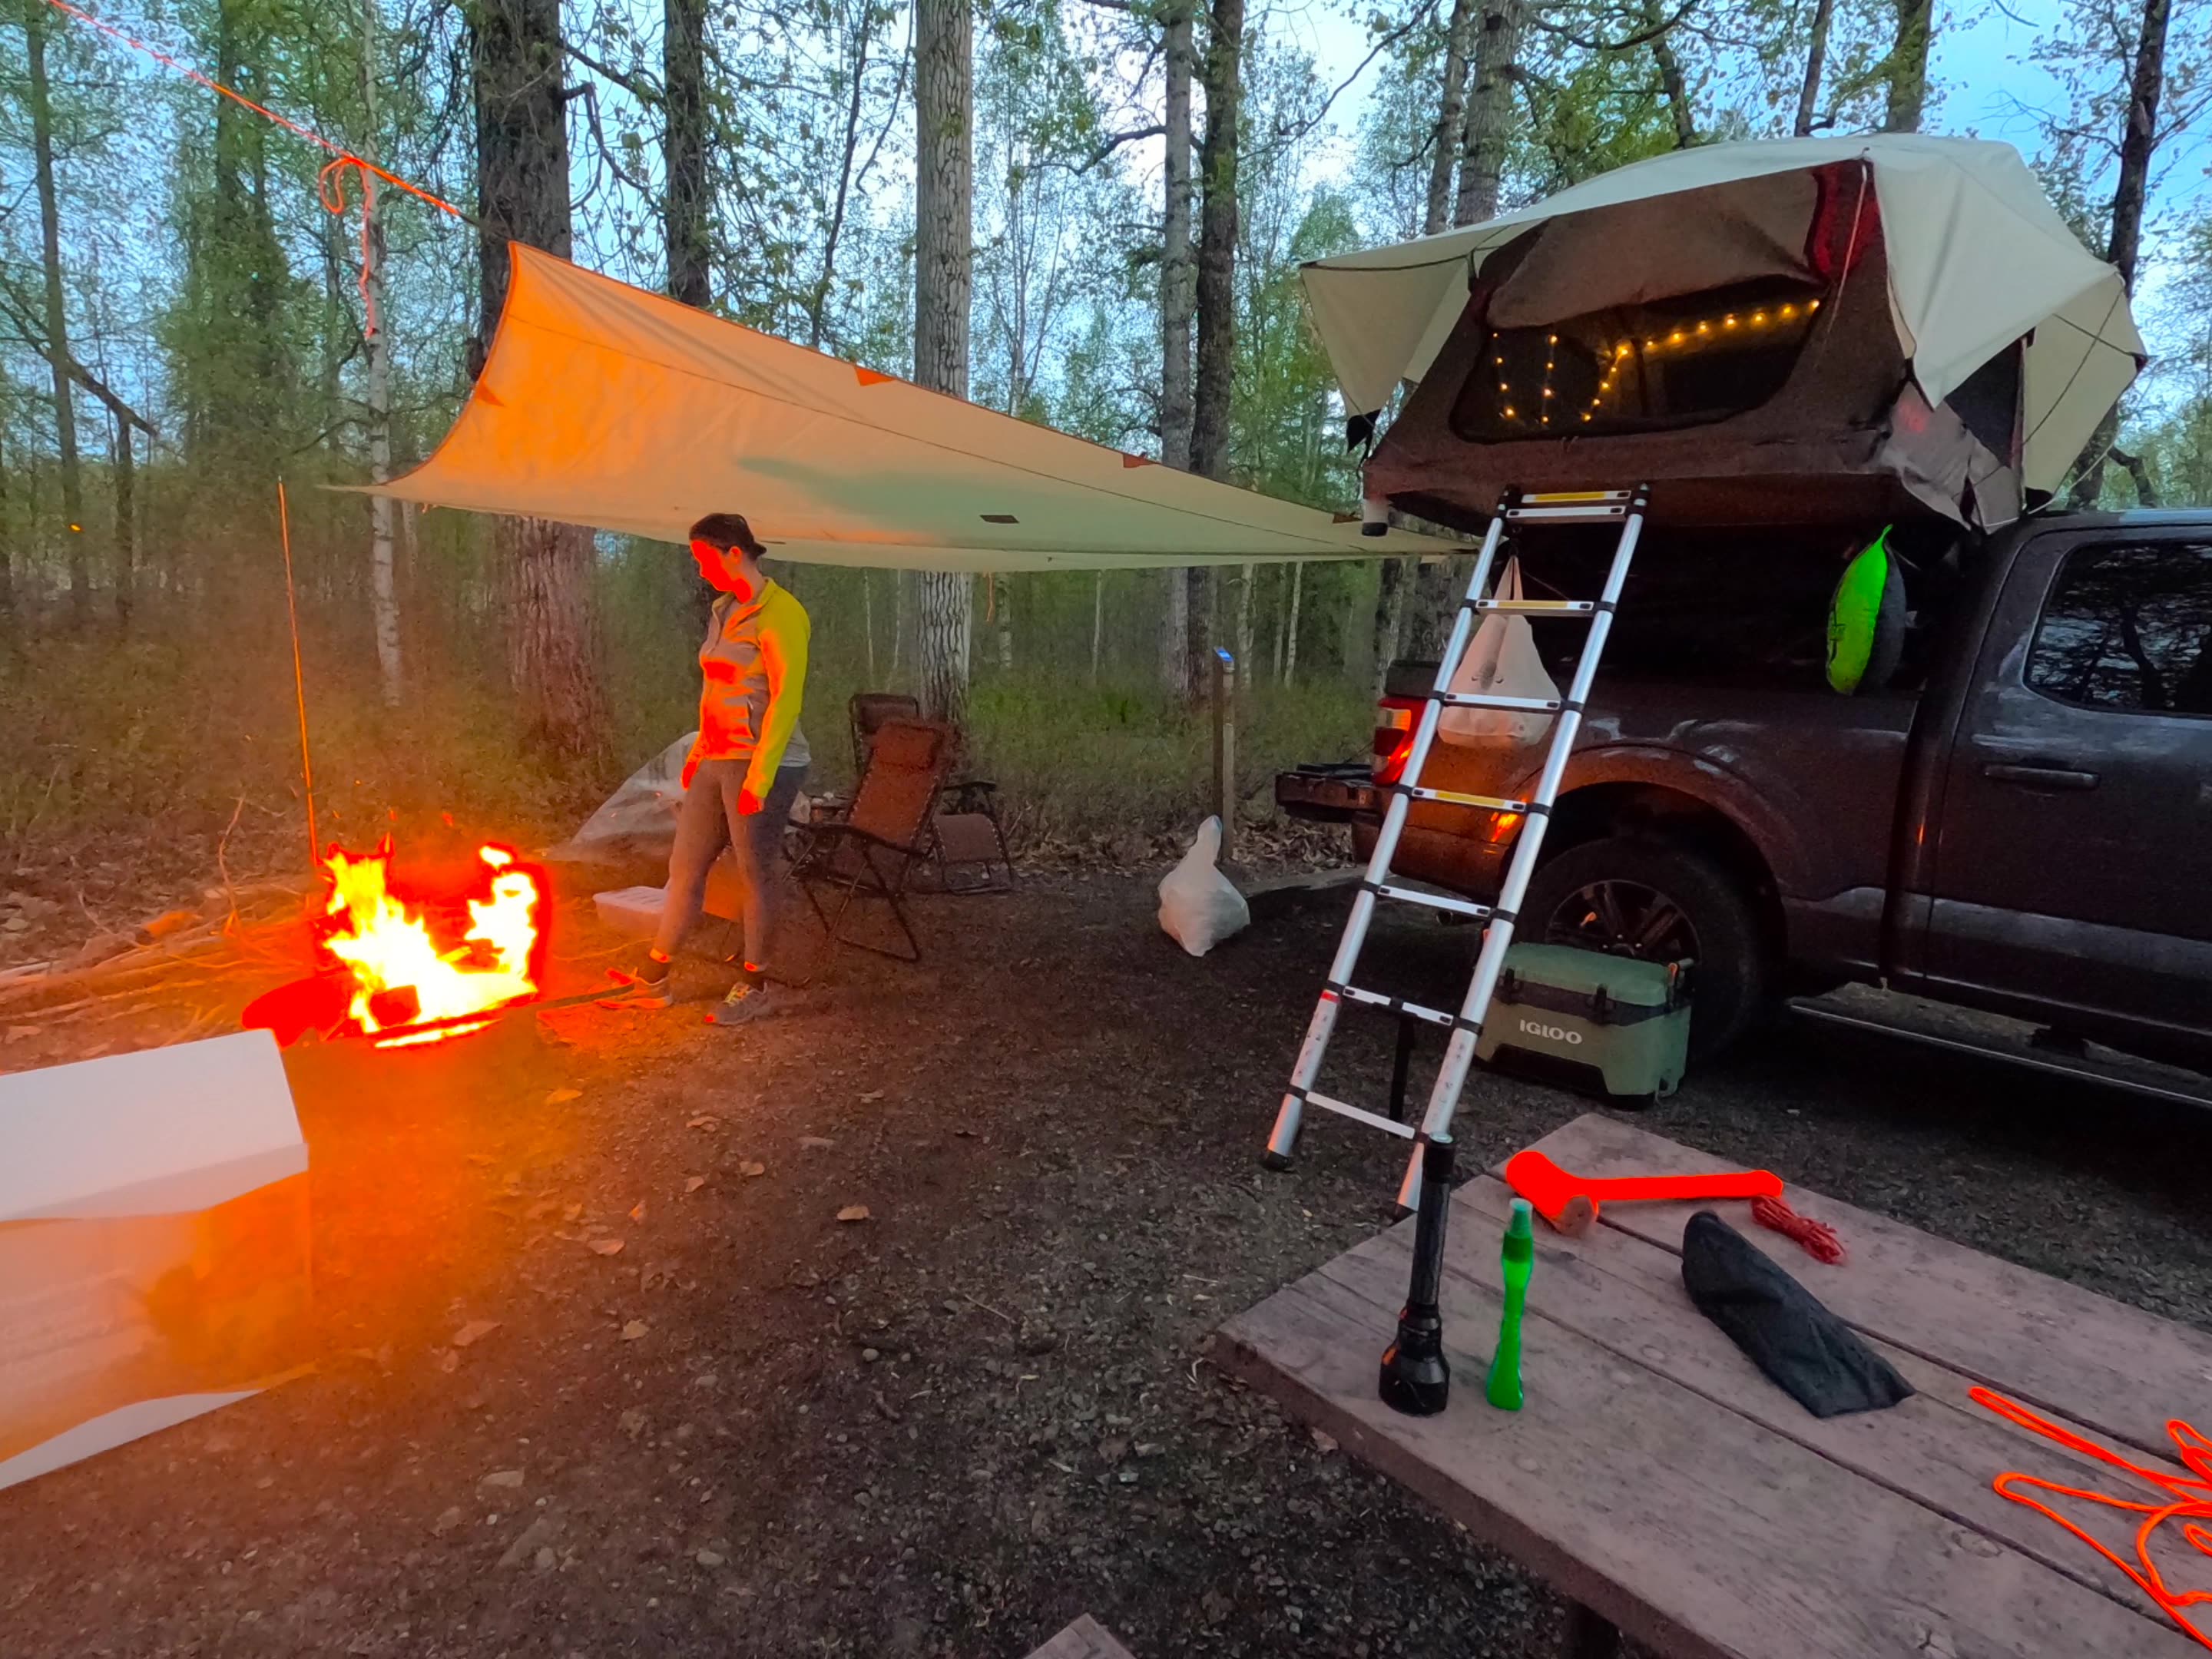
{"x":1816,"y":64}
{"x":1672,"y":81}
{"x":1178,"y":300}
{"x":1908,"y":65}
{"x":1397,"y":579}
{"x":1290,"y":628}
{"x":1451,"y":119}
{"x":522,"y":183}
{"x":1221,"y":73}
{"x":383,"y":582}
{"x":2138,"y":143}
{"x":126,"y":522}
{"x":1002,"y":609}
{"x":1247,"y":580}
{"x":57,"y":346}
{"x":1489,"y":111}
{"x":943,"y":263}
{"x":683,"y":90}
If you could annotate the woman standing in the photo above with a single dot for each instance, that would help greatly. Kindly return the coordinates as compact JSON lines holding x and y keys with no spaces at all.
{"x":745,"y":768}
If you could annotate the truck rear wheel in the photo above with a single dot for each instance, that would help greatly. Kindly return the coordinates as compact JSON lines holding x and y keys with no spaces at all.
{"x":1633,"y":896}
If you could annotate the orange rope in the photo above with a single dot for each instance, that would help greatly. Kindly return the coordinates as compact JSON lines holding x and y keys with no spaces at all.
{"x":1817,"y":1239}
{"x":331,"y":184}
{"x":345,"y":156}
{"x":2191,"y":1501}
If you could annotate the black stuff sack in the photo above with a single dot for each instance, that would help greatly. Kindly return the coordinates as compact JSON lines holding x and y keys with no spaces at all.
{"x":1780,"y":1325}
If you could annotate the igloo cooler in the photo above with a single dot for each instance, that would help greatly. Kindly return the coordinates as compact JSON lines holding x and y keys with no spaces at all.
{"x":1624,"y":1022}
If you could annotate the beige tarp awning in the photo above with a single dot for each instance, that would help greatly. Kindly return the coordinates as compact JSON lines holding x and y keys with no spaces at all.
{"x":602,"y":405}
{"x":1978,"y":258}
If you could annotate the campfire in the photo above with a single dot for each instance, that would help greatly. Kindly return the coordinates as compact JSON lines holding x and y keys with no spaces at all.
{"x":409,"y":967}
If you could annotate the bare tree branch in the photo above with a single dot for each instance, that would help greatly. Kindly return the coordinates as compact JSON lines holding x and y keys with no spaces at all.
{"x":644,"y":91}
{"x":1642,"y":36}
{"x":1135,"y":136}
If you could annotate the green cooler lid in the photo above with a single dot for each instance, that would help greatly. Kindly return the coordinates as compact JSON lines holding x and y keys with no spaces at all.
{"x":1563,"y":968}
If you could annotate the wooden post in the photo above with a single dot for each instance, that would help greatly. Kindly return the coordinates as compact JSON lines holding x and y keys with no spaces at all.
{"x":1224,"y":749}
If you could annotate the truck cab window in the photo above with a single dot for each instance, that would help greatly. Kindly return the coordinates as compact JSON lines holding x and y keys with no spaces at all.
{"x":2129,"y":626}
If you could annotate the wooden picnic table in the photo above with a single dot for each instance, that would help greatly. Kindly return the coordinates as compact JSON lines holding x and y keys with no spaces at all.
{"x":1659,"y":1482}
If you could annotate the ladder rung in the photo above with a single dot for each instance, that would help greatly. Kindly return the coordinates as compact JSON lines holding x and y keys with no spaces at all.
{"x":1360,"y":1115}
{"x":1539,"y":607}
{"x":1573,"y":505}
{"x":1396,"y":1004}
{"x":1453,"y":798}
{"x":1490,"y":700}
{"x":1434,"y":901}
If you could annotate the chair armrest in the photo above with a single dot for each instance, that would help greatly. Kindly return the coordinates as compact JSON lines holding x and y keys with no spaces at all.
{"x":826,"y":832}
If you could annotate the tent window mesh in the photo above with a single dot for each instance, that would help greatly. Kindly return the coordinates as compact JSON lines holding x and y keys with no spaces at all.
{"x":1652,"y":367}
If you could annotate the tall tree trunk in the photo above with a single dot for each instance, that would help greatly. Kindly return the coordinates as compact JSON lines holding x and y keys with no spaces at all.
{"x":684,"y":88}
{"x":8,"y":622}
{"x":1221,"y":73}
{"x":868,"y":621}
{"x":58,"y":345}
{"x":383,"y":578}
{"x":943,"y":263}
{"x":1177,"y":301}
{"x":1291,"y":629}
{"x":2138,"y":143}
{"x":126,"y":468}
{"x":1002,"y":610}
{"x":1489,"y":111}
{"x":1908,"y":65}
{"x":1397,"y":579}
{"x":1816,"y":64}
{"x":1451,"y":119}
{"x":522,"y":184}
{"x":1097,"y":623}
{"x":1247,"y":580}
{"x":1672,"y":81}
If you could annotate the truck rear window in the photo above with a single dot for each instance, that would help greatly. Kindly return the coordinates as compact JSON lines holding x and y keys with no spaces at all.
{"x":2129,"y":626}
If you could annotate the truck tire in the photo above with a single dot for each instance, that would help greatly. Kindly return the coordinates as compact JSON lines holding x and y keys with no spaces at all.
{"x":1636,"y":896}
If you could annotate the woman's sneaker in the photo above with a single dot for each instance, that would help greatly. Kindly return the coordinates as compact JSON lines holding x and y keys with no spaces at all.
{"x":748,"y":1001}
{"x":649,"y":985}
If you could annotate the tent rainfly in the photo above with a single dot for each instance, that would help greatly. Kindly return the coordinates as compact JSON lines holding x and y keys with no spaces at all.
{"x":602,"y":405}
{"x":1773,"y":330}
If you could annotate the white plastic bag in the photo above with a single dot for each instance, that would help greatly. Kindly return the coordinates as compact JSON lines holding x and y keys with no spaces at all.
{"x":1199,"y":908}
{"x":1501,"y":661}
{"x":639,"y":819}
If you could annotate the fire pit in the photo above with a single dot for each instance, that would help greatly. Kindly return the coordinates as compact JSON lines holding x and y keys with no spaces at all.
{"x":404,"y":968}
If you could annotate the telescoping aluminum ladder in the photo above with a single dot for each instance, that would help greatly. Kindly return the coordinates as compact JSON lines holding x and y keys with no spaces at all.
{"x":1624,"y":507}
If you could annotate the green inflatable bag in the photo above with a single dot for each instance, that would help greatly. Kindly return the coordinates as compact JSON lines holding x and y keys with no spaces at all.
{"x":1866,"y":620}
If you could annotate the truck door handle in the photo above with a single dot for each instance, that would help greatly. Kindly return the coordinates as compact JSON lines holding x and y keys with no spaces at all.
{"x":2035,"y":774}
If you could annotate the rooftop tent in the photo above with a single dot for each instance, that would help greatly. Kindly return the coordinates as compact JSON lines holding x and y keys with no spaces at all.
{"x":602,"y":405}
{"x":1903,"y":321}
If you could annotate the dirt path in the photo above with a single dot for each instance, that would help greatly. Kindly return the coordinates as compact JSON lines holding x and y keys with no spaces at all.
{"x":949,"y":1427}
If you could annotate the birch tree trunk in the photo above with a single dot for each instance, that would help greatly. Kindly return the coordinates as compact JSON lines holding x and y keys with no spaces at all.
{"x":1002,"y":609}
{"x":1221,"y":71}
{"x":522,"y":185}
{"x":1816,"y":64}
{"x":383,"y":582}
{"x":1451,"y":119}
{"x":1247,"y":580}
{"x":944,"y":260}
{"x":1291,"y":630}
{"x":126,"y":522}
{"x":683,"y":86}
{"x":1908,"y":65}
{"x":2138,"y":143}
{"x":1177,"y":299}
{"x":58,"y":357}
{"x":1489,"y":111}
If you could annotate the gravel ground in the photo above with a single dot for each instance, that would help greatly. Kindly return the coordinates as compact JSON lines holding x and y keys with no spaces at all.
{"x":949,"y":1426}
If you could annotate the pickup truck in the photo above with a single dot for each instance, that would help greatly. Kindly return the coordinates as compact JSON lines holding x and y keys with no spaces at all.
{"x":2021,"y":821}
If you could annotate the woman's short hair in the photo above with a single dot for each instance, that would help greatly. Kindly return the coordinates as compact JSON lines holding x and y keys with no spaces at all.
{"x":727,"y":531}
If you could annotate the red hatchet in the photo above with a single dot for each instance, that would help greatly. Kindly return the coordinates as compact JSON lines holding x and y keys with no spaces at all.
{"x":1570,"y":1202}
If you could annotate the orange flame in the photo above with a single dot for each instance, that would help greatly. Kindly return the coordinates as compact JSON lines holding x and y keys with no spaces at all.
{"x":386,"y":945}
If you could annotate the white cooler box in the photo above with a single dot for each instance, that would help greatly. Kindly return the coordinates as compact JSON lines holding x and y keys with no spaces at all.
{"x":154,"y":1245}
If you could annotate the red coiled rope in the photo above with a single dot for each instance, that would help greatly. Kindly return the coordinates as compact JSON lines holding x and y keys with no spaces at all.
{"x":1817,"y":1239}
{"x":2191,"y":1501}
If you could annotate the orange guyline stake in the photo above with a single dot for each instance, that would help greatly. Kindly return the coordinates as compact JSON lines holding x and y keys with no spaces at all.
{"x":2191,"y":1501}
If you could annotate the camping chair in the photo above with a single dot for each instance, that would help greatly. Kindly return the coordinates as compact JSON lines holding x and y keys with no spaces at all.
{"x":967,"y":844}
{"x":869,"y":852}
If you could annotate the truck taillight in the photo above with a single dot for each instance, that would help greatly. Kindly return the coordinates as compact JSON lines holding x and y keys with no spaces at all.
{"x":1394,"y":738}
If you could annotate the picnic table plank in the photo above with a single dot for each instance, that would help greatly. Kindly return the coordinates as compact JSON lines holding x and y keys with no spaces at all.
{"x":1937,"y":1447}
{"x":1695,"y":1530}
{"x":2063,"y":1350}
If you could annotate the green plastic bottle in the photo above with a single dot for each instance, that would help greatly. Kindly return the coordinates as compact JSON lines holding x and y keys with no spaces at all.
{"x":1503,"y":1388}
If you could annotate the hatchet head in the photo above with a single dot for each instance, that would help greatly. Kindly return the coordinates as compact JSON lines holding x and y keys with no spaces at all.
{"x":1551,"y":1192}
